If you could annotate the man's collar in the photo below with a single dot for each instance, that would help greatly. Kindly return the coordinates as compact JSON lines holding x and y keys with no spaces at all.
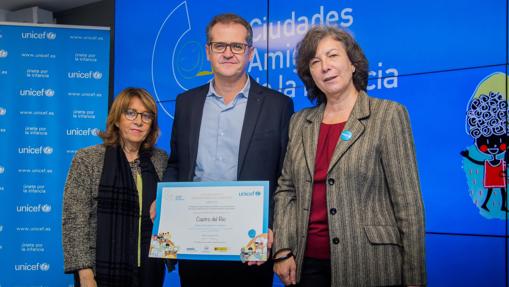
{"x":244,"y":91}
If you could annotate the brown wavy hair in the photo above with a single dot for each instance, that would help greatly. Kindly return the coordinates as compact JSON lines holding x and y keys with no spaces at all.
{"x":306,"y":50}
{"x":111,"y":136}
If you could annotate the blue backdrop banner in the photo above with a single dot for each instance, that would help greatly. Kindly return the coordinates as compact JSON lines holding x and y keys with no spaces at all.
{"x":441,"y":59}
{"x":53,"y":101}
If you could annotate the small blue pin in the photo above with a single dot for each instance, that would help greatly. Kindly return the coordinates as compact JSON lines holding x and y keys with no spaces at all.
{"x":346,"y":135}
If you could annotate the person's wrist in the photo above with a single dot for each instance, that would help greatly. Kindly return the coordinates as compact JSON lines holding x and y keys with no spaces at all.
{"x":282,"y":255}
{"x":86,"y":274}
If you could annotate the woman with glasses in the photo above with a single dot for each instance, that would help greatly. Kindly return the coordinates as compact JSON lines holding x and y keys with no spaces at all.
{"x":106,"y":225}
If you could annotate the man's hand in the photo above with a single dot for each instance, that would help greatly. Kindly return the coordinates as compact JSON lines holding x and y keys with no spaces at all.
{"x":270,"y":239}
{"x":153,"y":212}
{"x":286,"y":269}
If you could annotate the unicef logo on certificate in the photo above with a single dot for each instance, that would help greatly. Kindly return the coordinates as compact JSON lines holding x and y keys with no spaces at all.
{"x":250,"y":193}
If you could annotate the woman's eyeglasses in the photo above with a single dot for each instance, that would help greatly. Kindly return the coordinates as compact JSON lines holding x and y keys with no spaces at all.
{"x":132,"y":114}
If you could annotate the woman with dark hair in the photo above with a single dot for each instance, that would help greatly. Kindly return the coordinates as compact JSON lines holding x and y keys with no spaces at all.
{"x":348,"y":208}
{"x":106,"y":225}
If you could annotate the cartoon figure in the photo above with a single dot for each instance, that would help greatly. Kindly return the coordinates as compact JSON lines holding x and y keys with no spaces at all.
{"x":162,"y":246}
{"x":260,"y":243}
{"x":486,"y":122}
{"x":255,"y":250}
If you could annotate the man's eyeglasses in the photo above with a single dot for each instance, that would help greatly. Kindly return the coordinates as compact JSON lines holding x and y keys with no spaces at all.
{"x":220,"y":47}
{"x":132,"y":114}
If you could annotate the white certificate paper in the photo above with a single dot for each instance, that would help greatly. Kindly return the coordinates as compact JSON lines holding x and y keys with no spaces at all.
{"x":211,"y":221}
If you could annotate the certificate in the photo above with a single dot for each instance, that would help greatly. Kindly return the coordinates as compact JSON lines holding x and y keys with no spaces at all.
{"x":211,"y":221}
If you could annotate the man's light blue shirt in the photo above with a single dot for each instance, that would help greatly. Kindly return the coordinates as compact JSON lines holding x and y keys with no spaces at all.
{"x":220,"y":131}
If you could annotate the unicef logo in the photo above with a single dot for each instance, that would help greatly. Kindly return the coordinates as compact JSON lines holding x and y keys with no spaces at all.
{"x":1,"y":228}
{"x":250,"y":193}
{"x":46,"y":208}
{"x":51,"y":35}
{"x":3,"y":54}
{"x":97,"y":75}
{"x":2,"y":169}
{"x":3,"y":111}
{"x":47,"y":150}
{"x":45,"y":267}
{"x":27,"y":267}
{"x":49,"y":93}
{"x":83,"y":132}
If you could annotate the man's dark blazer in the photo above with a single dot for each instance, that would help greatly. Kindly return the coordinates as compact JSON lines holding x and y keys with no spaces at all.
{"x":262,"y":149}
{"x":263,"y":138}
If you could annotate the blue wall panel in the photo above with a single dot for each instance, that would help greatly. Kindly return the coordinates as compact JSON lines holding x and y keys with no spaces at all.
{"x":429,"y":56}
{"x":465,"y":261}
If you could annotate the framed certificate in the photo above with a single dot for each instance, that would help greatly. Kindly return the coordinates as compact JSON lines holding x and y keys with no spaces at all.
{"x":211,"y":221}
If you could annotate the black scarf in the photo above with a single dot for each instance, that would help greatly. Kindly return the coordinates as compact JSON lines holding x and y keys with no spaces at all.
{"x":117,"y":222}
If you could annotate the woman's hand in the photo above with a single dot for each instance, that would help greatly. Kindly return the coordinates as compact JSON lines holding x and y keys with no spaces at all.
{"x":286,"y":269}
{"x":87,"y":278}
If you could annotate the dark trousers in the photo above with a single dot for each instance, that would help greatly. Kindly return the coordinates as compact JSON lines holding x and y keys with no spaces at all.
{"x":315,"y":273}
{"x":194,"y":273}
